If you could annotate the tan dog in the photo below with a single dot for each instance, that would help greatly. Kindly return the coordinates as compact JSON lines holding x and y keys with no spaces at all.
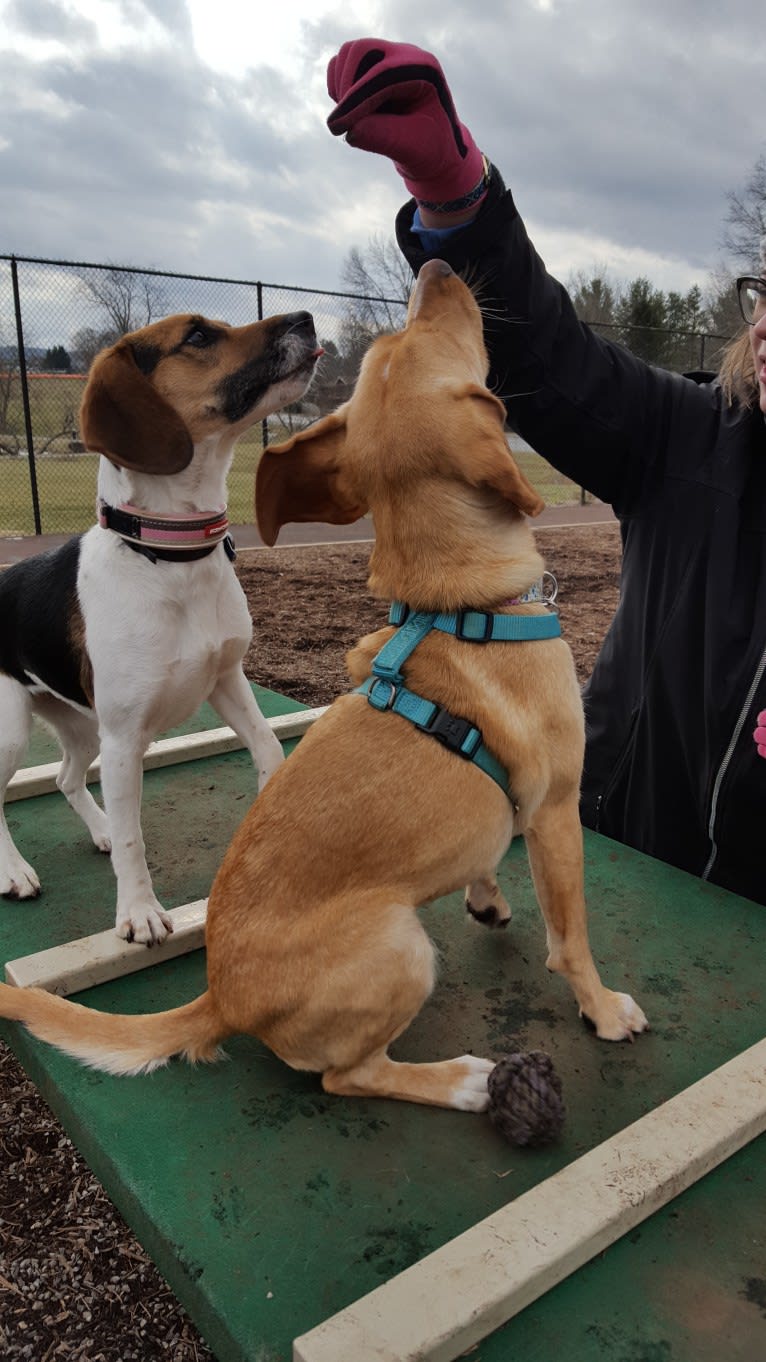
{"x":313,"y":940}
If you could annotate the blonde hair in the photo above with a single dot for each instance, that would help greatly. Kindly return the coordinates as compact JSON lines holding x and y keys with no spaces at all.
{"x":737,"y":372}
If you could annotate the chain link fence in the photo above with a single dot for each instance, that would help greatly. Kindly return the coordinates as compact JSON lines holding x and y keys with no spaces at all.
{"x":56,"y":315}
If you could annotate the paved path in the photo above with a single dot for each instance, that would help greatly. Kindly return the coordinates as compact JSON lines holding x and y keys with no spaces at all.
{"x":12,"y":550}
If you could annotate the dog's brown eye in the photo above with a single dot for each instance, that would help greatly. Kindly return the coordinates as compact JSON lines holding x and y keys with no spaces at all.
{"x":197,"y":337}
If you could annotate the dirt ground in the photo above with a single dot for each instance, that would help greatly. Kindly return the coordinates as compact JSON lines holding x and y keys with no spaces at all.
{"x":74,"y":1283}
{"x":310,"y":605}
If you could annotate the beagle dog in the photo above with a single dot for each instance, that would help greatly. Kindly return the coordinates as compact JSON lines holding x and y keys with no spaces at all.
{"x":464,"y":730}
{"x":124,"y":631}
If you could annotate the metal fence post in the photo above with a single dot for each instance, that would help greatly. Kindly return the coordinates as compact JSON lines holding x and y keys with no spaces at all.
{"x":265,"y":421}
{"x":25,"y":396}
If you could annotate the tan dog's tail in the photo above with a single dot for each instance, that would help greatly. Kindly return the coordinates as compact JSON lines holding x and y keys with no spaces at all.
{"x":117,"y":1044}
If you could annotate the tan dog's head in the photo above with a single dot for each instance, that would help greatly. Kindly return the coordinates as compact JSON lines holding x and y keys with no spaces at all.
{"x":420,"y":412}
{"x":421,"y":444}
{"x":151,"y":397}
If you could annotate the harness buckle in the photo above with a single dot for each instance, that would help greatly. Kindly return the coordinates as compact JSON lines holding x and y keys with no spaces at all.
{"x":460,"y":626}
{"x":452,"y":731}
{"x":386,"y":703}
{"x":550,"y":590}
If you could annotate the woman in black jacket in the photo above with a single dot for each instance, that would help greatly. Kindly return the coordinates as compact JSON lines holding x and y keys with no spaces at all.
{"x":678,"y":692}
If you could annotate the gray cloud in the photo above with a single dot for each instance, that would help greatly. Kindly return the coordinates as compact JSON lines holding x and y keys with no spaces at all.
{"x":628,"y":123}
{"x":48,"y":19}
{"x":619,"y":125}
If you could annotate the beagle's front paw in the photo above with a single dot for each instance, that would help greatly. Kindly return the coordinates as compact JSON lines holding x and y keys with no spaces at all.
{"x":147,"y":924}
{"x":98,"y":827}
{"x":17,"y":878}
{"x":270,"y":758}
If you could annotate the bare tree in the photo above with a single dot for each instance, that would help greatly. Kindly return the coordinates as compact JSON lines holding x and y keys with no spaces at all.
{"x":12,"y":437}
{"x":87,"y":343}
{"x":10,"y":443}
{"x":129,"y":299}
{"x":723,"y":317}
{"x":595,"y":297}
{"x":746,"y":220}
{"x":382,"y":279}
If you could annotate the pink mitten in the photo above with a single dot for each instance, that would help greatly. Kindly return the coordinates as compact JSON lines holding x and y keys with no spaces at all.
{"x":760,"y":733}
{"x":393,"y":99}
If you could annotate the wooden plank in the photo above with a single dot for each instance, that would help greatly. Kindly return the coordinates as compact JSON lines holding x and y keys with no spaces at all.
{"x":93,"y":959}
{"x":36,"y":780}
{"x":453,"y":1298}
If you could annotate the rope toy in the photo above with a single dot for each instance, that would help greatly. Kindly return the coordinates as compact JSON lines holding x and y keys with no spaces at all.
{"x":525,"y":1102}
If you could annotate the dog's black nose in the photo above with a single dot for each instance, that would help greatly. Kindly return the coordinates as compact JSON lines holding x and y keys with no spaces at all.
{"x":298,"y":321}
{"x":435,"y":267}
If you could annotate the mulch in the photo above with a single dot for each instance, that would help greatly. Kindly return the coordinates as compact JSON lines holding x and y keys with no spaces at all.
{"x":310,"y":605}
{"x":74,"y":1283}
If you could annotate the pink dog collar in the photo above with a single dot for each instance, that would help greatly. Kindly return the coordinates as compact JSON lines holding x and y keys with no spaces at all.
{"x":175,"y":533}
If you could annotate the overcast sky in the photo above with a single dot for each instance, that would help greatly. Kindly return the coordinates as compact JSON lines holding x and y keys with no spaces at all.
{"x":190,"y":134}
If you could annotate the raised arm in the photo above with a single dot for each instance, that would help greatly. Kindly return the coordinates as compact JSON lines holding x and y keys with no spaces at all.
{"x":602,"y":416}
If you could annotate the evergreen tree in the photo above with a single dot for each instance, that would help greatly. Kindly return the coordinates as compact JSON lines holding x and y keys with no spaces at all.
{"x":642,"y":321}
{"x":57,"y":360}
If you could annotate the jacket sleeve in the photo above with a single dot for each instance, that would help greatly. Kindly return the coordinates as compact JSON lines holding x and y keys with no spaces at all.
{"x":612,"y":423}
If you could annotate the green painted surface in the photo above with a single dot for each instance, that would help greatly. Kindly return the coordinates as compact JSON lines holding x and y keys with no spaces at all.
{"x":269,"y":1205}
{"x":689,"y":1285}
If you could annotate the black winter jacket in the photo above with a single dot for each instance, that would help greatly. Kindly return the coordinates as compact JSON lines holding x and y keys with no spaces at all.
{"x":671,"y":767}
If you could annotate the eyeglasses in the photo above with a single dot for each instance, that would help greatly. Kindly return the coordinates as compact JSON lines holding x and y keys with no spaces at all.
{"x":751,"y":293}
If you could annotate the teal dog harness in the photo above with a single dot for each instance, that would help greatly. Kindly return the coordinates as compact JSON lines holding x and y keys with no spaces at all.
{"x":385,"y":688}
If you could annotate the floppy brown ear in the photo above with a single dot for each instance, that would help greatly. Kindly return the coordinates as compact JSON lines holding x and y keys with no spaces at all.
{"x":124,"y":418}
{"x":303,"y":479}
{"x":491,"y":459}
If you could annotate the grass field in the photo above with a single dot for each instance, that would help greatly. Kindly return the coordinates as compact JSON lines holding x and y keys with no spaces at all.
{"x":66,"y":486}
{"x":66,"y":481}
{"x":54,"y":400}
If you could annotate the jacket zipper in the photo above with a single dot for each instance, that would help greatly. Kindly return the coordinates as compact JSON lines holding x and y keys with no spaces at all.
{"x":616,"y":769}
{"x":723,"y":768}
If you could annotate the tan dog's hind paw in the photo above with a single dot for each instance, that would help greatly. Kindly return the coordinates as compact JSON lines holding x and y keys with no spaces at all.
{"x":618,"y":1018}
{"x":458,"y":1083}
{"x":472,"y":1094}
{"x":485,"y":903}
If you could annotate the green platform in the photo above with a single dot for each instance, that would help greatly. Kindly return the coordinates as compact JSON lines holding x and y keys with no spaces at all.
{"x":268,"y":1205}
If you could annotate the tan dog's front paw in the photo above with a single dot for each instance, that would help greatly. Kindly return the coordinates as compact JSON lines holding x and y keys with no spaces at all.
{"x":148,"y":926}
{"x":618,"y":1017}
